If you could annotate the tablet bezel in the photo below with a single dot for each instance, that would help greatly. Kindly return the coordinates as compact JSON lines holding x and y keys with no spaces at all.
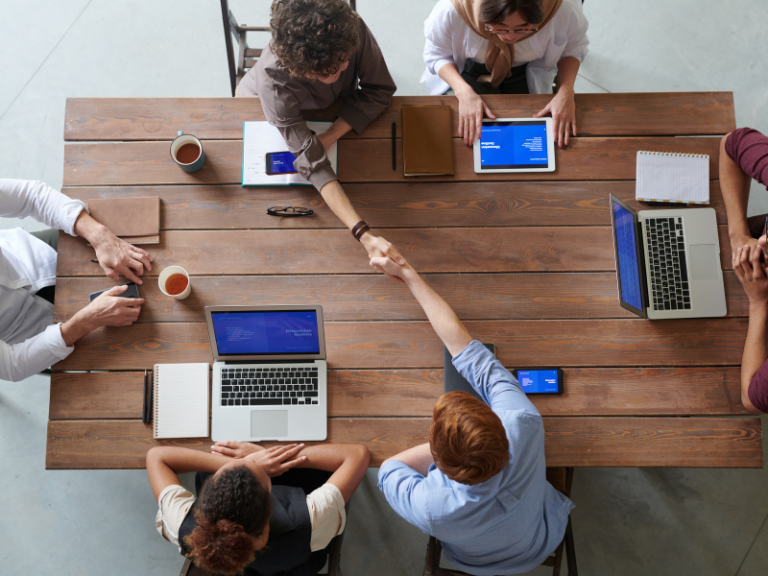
{"x":550,"y":147}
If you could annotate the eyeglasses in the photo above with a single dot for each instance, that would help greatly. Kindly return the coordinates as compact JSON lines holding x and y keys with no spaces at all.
{"x":289,"y":211}
{"x":519,"y":33}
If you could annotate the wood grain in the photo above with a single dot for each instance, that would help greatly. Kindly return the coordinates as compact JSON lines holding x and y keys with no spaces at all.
{"x":688,"y":442}
{"x":395,"y":205}
{"x":298,"y":252}
{"x":368,"y":345}
{"x":646,"y":114}
{"x":391,"y":393}
{"x":363,"y":160}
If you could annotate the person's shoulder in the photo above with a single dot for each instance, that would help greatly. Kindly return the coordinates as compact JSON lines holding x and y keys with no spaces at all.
{"x":444,"y":13}
{"x":569,"y":10}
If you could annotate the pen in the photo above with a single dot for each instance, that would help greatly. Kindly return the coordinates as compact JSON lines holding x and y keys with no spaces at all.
{"x":95,"y":260}
{"x":144,"y":410}
{"x":394,"y":147}
{"x":151,"y":397}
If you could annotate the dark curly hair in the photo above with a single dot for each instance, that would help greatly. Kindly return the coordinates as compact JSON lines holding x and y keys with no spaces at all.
{"x":496,"y":11}
{"x":232,"y":512}
{"x":313,"y":36}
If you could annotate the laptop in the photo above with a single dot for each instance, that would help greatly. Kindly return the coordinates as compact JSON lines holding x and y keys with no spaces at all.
{"x":269,"y":373}
{"x":668,"y":262}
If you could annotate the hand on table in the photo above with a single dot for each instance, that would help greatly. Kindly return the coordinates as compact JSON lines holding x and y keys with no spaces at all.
{"x":563,"y":110}
{"x":751,"y":272}
{"x":471,"y":109}
{"x":118,"y":257}
{"x":108,"y":309}
{"x":274,"y":461}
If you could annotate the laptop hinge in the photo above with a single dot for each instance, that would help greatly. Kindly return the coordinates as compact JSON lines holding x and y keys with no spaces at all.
{"x":640,"y":246}
{"x":267,"y":361}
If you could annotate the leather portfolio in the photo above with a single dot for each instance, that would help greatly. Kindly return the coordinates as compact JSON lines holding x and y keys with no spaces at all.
{"x":427,"y":141}
{"x":135,"y":220}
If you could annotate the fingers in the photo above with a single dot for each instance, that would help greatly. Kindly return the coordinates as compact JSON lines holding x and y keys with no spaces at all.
{"x":115,"y":290}
{"x":223,"y":450}
{"x":128,"y":273}
{"x":542,"y":112}
{"x":292,"y":463}
{"x":556,"y":127}
{"x":566,"y":131}
{"x":111,"y":274}
{"x":142,"y":257}
{"x":395,"y":256}
{"x":479,"y":120}
{"x":488,"y":112}
{"x":469,"y":133}
{"x":754,"y":261}
{"x":290,"y":451}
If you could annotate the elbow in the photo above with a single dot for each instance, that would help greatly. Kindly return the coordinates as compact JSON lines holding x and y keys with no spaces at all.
{"x":748,"y":406}
{"x":362,"y":455}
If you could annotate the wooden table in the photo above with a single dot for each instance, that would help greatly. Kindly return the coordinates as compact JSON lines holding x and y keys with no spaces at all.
{"x":526,"y":260}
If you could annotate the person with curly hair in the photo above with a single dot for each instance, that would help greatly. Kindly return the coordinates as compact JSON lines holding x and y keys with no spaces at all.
{"x":480,"y":485}
{"x":261,"y":512}
{"x":321,"y":51}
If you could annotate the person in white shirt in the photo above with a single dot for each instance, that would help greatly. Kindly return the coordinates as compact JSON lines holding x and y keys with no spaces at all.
{"x":258,"y":511}
{"x":506,"y":47}
{"x":29,"y":341}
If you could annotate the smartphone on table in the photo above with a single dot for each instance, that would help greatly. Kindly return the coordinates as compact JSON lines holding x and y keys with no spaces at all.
{"x":280,"y":163}
{"x":540,"y":380}
{"x":131,"y":292}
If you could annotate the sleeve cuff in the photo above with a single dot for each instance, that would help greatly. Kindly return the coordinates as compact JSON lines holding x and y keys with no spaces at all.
{"x":354,"y":117}
{"x":440,"y":63}
{"x":73,"y":209}
{"x":322,"y":176}
{"x":56,"y":343}
{"x":471,"y":350}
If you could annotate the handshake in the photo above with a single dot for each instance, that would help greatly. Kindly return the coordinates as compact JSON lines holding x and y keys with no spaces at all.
{"x":387,"y":259}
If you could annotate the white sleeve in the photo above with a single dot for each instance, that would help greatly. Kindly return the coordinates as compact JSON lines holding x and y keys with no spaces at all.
{"x":172,"y":507}
{"x":577,"y":45}
{"x":22,"y":198}
{"x":19,"y":361}
{"x":438,"y":45}
{"x":327,"y":515}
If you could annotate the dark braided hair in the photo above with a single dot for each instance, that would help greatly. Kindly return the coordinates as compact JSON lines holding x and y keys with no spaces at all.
{"x":496,"y":11}
{"x":231,"y":513}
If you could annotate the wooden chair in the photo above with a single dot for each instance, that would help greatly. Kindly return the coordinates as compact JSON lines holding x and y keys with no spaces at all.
{"x":246,"y":57}
{"x":434,"y":549}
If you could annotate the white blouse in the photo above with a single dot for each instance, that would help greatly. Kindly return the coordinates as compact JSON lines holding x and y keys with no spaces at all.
{"x":450,"y":40}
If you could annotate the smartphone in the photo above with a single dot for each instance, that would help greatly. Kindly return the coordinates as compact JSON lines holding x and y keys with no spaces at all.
{"x":280,"y":163}
{"x":131,"y":292}
{"x":540,"y":380}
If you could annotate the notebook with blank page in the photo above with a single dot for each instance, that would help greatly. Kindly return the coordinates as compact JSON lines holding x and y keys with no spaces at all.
{"x":180,"y":403}
{"x":672,"y":177}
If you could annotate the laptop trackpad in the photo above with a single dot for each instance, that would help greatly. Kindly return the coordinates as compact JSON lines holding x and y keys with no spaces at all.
{"x":704,"y":261}
{"x":269,"y":424}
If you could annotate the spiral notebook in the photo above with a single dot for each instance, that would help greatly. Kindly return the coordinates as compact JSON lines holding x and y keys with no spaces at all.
{"x":180,"y":405}
{"x":672,"y":177}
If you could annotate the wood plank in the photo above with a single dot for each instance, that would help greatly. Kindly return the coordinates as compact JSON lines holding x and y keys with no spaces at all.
{"x":642,"y":114}
{"x":294,"y":252}
{"x":382,"y":393}
{"x":680,"y":442}
{"x":396,"y":205}
{"x":363,"y":160}
{"x":353,"y":297}
{"x":369,"y":345}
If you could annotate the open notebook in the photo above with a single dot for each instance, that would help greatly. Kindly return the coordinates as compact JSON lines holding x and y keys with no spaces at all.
{"x":672,"y":177}
{"x":261,"y":138}
{"x":180,"y":405}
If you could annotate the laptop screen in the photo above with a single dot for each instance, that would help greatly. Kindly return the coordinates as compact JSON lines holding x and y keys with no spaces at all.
{"x":627,"y":256}
{"x":270,"y":332}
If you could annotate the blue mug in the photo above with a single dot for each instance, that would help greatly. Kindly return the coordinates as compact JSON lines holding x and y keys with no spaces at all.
{"x":187,"y":152}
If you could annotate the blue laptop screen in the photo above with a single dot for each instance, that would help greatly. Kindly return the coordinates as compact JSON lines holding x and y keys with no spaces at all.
{"x":626,"y":250}
{"x":516,"y":145}
{"x":278,"y":332}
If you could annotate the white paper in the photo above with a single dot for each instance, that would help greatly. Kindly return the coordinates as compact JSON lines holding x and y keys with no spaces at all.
{"x":672,"y":177}
{"x":181,"y":401}
{"x":259,"y":138}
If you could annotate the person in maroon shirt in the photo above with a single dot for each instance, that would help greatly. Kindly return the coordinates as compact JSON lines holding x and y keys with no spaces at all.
{"x":744,"y":156}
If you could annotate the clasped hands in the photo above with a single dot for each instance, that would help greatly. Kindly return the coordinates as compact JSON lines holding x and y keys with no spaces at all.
{"x":752,"y":272}
{"x":275,"y":460}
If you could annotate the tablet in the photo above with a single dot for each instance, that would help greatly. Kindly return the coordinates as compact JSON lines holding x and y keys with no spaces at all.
{"x":515,"y":145}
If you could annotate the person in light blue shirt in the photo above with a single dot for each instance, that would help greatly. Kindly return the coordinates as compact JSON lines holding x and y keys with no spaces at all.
{"x":479,"y":485}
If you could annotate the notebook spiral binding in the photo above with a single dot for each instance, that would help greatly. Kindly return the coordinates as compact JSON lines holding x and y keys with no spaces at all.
{"x":154,"y":385}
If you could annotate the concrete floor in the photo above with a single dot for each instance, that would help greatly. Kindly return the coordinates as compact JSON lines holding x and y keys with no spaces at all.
{"x":627,"y":521}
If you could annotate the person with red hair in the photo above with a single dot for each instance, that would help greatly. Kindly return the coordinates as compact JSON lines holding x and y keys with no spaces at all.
{"x":479,"y":485}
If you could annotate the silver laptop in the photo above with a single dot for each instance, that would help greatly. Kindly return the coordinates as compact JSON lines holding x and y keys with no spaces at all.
{"x":668,"y":262}
{"x":269,"y":373}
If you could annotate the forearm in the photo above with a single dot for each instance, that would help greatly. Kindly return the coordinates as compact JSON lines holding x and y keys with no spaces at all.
{"x":86,"y":227}
{"x":755,"y":349}
{"x":734,"y":184}
{"x":443,"y":319}
{"x":419,"y":458}
{"x":450,"y":73}
{"x":336,"y":131}
{"x":164,"y":463}
{"x":567,"y":70}
{"x":348,"y":462}
{"x":76,"y":327}
{"x":339,"y":203}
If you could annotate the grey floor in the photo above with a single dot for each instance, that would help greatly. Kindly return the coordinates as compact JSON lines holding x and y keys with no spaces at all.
{"x":627,"y":521}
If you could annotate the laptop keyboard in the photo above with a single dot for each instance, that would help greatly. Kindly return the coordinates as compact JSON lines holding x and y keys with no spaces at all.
{"x":666,"y":257}
{"x":274,"y":386}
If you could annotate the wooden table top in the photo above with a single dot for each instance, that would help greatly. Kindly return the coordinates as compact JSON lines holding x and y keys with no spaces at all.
{"x":526,"y":260}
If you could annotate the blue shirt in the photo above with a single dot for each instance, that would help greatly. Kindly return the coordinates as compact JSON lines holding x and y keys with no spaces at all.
{"x":506,"y":525}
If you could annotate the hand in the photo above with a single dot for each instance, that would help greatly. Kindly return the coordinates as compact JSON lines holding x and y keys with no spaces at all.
{"x":563,"y":110}
{"x":277,"y":459}
{"x":742,"y":241}
{"x":751,"y":272}
{"x":110,"y":310}
{"x":471,"y":109}
{"x":396,"y":272}
{"x":376,"y":246}
{"x":118,"y":257}
{"x":235,"y":449}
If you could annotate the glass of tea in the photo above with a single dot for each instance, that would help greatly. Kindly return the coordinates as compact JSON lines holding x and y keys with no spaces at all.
{"x":187,"y":152}
{"x":174,"y":282}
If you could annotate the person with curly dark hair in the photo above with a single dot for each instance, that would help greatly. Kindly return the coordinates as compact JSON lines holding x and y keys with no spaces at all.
{"x":321,"y":51}
{"x":261,"y":512}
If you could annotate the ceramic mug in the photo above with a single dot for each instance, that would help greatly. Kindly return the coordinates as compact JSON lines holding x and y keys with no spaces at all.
{"x":187,"y":151}
{"x":166,"y":275}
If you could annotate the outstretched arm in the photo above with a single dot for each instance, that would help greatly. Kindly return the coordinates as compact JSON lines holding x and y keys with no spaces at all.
{"x":734,"y":184}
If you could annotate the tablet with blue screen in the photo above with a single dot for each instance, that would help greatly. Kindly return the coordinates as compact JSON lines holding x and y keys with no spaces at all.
{"x":515,"y":145}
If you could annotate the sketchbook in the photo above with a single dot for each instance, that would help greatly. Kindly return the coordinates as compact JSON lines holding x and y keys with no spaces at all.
{"x":261,"y":138}
{"x":672,"y":177}
{"x":180,"y":405}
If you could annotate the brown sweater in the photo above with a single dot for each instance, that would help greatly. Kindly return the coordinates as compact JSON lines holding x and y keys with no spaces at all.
{"x":366,"y":88}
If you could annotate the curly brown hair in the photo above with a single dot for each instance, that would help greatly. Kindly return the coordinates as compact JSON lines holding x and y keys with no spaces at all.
{"x":231,"y":513}
{"x":313,"y":36}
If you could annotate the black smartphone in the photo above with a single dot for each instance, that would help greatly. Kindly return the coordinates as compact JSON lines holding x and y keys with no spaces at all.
{"x":131,"y":292}
{"x":280,"y":163}
{"x":540,"y":380}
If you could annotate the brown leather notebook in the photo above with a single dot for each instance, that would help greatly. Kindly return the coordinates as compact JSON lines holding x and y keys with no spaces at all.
{"x":427,"y":141}
{"x":135,"y":220}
